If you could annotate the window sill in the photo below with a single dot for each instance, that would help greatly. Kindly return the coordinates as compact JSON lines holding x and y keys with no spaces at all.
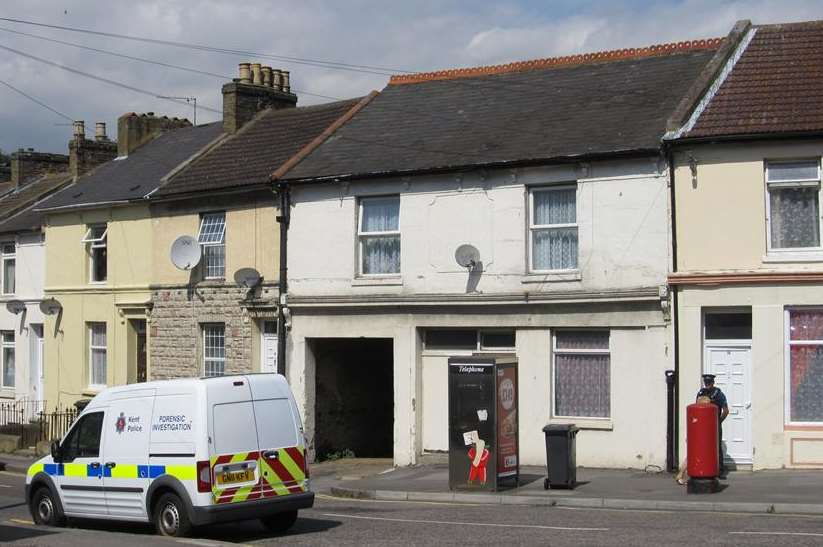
{"x":780,"y":257}
{"x":604,"y":424}
{"x":552,"y":277}
{"x":382,"y":281}
{"x":92,"y":391}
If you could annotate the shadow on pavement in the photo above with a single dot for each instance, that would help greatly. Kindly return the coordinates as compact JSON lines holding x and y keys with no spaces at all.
{"x":13,"y":533}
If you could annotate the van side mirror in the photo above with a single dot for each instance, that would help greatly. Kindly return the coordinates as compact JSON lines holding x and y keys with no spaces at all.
{"x":56,"y":453}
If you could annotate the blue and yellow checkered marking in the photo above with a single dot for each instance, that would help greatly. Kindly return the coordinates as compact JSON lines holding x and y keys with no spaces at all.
{"x":122,"y":471}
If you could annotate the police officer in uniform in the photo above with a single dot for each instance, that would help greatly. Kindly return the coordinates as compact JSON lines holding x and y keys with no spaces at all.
{"x":717,"y":398}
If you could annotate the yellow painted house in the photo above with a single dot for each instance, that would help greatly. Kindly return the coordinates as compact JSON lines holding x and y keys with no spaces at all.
{"x":749,"y":251}
{"x":99,"y":261}
{"x":123,"y":312}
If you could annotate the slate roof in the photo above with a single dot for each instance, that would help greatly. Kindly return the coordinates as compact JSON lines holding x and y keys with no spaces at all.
{"x":16,"y":207}
{"x":775,"y":87}
{"x":251,"y":155}
{"x":579,"y":106}
{"x":138,"y":174}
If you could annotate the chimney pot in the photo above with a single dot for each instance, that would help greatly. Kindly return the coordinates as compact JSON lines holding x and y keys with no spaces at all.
{"x":245,"y":73}
{"x":286,"y":85}
{"x":266,"y":75}
{"x":79,"y":129}
{"x":277,"y":79}
{"x":256,"y":76}
{"x":100,"y":132}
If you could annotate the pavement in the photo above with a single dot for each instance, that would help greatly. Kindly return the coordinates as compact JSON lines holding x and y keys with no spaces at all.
{"x":488,"y":521}
{"x":795,"y":492}
{"x":777,"y":491}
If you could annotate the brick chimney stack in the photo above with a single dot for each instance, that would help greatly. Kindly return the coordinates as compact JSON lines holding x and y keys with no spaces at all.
{"x":135,"y":130}
{"x":86,"y":154}
{"x":28,"y":165}
{"x":257,"y":88}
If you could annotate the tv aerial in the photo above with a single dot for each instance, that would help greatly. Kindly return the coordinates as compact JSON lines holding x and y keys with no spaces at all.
{"x":185,"y":252}
{"x":15,"y":306}
{"x":247,"y":278}
{"x":50,"y":306}
{"x":467,"y":256}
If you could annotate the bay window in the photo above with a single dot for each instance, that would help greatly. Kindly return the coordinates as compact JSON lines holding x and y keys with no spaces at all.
{"x":378,"y":235}
{"x":582,"y":374}
{"x":793,"y":205}
{"x":553,"y":228}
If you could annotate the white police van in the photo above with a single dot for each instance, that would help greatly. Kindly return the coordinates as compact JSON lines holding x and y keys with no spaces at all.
{"x":179,"y":453}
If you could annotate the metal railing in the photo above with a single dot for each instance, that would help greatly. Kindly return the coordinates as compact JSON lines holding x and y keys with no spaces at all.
{"x":29,"y":420}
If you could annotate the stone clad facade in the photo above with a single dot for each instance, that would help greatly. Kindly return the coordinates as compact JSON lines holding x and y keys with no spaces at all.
{"x":177,"y":318}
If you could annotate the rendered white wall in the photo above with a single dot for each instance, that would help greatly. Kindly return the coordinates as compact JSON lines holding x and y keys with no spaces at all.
{"x":29,"y":265}
{"x":622,"y":218}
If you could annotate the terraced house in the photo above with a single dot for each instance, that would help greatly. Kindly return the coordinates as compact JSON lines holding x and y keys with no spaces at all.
{"x":35,"y":176}
{"x":552,"y":170}
{"x":127,"y":313}
{"x":748,"y":244}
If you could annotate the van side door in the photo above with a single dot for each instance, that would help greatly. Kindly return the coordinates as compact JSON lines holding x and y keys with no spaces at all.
{"x":279,"y":437}
{"x":126,"y":470}
{"x":79,"y":473}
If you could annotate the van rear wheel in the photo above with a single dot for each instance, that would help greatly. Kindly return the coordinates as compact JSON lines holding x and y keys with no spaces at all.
{"x":170,"y":516}
{"x":45,"y":510}
{"x":280,"y":522}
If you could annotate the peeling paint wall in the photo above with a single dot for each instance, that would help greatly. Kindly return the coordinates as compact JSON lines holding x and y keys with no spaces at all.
{"x":622,"y":216}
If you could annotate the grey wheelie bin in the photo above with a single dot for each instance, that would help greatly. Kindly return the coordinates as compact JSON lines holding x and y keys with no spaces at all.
{"x":560,"y":456}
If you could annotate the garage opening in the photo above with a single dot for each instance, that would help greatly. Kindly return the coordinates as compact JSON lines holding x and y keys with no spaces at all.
{"x":354,"y":397}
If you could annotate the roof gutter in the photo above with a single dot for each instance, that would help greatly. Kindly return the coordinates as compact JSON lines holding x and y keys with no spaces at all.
{"x":83,"y":206}
{"x":634,"y":153}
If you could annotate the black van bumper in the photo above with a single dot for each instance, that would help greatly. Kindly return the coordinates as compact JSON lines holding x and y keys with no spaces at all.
{"x":254,"y":509}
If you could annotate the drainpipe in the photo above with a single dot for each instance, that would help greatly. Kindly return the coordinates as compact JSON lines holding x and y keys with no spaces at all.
{"x":673,"y":376}
{"x":283,"y":220}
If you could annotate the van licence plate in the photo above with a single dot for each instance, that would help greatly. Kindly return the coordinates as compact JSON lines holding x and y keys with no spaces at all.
{"x":228,"y":476}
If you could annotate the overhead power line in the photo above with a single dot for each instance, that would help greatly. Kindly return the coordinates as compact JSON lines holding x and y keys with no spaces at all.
{"x":38,"y":101}
{"x":153,"y":94}
{"x":383,"y":71}
{"x":144,"y":60}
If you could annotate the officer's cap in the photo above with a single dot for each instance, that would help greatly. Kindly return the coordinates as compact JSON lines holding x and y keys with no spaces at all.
{"x":708,"y":378}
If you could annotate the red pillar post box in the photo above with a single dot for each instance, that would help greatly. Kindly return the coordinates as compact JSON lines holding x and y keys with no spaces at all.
{"x":702,"y":456}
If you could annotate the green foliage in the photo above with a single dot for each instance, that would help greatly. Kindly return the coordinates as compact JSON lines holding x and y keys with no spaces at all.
{"x":339,"y":455}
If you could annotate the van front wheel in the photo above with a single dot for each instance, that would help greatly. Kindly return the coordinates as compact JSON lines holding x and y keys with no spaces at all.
{"x":280,"y":522}
{"x":44,"y":509}
{"x":170,"y":516}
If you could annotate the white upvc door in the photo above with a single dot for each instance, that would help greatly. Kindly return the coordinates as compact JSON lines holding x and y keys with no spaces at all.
{"x":731,"y":362}
{"x":36,"y":363}
{"x":268,"y":347}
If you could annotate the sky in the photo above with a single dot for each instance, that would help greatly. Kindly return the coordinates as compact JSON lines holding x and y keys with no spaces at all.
{"x":409,"y":36}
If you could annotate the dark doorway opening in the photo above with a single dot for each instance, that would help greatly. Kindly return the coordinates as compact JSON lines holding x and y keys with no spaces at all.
{"x":354,"y":398}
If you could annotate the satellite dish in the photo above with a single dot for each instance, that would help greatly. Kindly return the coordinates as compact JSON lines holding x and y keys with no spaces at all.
{"x":247,"y":277}
{"x":185,"y":252}
{"x":467,"y":256}
{"x":15,"y":306}
{"x":50,"y":306}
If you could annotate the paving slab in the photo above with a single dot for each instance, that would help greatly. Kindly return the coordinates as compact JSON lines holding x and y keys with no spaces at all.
{"x":777,"y":491}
